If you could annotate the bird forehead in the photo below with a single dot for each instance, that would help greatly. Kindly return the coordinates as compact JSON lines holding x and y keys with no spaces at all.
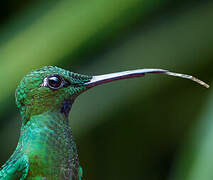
{"x":35,"y":78}
{"x":46,"y":71}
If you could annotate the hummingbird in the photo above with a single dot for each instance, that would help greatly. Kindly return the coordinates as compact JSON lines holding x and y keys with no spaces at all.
{"x":46,"y":149}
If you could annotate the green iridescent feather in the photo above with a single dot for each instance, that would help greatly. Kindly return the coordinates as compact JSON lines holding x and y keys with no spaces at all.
{"x":46,"y":149}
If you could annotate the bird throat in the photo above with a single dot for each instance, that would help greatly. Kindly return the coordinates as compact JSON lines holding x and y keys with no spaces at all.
{"x":47,"y":141}
{"x":66,"y":107}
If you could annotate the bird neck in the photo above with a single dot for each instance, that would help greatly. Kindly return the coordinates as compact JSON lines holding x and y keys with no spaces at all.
{"x":47,"y":138}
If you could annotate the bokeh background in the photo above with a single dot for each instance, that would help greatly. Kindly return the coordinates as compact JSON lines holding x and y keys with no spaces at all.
{"x":152,"y":128}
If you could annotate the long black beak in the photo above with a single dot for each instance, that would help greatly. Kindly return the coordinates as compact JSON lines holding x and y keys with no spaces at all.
{"x":101,"y":79}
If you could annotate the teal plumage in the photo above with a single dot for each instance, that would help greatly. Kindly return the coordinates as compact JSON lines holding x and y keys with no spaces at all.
{"x":46,"y":148}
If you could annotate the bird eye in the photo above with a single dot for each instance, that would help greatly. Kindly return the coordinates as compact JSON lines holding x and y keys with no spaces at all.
{"x":54,"y":82}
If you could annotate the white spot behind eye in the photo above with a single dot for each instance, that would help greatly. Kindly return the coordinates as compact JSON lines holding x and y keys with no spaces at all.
{"x":45,"y":82}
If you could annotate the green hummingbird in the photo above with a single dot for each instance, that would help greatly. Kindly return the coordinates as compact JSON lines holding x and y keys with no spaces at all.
{"x":46,"y":149}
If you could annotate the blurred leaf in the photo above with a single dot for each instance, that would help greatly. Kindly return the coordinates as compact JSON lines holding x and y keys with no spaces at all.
{"x":195,"y":161}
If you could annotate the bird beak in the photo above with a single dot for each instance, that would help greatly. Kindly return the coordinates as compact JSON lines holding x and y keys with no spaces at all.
{"x":101,"y":79}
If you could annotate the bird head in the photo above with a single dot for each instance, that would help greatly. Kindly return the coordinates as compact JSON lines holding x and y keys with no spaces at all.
{"x":49,"y":89}
{"x":55,"y":89}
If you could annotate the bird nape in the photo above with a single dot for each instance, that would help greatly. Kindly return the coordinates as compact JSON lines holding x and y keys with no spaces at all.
{"x":46,"y":149}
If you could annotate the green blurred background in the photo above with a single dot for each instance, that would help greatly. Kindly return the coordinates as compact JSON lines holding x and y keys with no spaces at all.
{"x":152,"y":128}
